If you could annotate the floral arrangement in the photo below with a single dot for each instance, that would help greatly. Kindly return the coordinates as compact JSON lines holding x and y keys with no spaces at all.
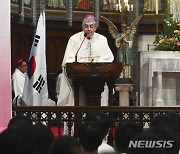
{"x":170,"y":38}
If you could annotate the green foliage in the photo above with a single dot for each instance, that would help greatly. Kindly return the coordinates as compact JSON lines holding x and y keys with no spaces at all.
{"x":170,"y":38}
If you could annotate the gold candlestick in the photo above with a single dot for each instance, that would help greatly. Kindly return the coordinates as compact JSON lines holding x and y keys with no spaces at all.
{"x":157,"y":30}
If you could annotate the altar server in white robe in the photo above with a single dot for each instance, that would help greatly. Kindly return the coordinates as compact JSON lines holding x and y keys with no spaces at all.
{"x":18,"y":78}
{"x":84,"y":46}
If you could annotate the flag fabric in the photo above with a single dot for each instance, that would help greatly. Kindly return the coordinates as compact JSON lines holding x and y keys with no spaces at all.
{"x":35,"y":91}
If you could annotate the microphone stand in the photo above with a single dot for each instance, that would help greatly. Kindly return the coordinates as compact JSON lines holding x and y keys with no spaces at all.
{"x":85,"y":34}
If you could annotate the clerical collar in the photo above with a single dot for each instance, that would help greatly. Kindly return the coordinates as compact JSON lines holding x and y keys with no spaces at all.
{"x":91,"y":38}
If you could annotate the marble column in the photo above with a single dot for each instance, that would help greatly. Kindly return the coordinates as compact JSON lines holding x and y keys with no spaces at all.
{"x":124,"y":90}
{"x":159,"y":100}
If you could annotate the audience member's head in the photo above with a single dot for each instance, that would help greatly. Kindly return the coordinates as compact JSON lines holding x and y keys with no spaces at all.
{"x":167,"y":134}
{"x":17,"y":140}
{"x":100,"y":118}
{"x":90,"y":136}
{"x":43,"y":138}
{"x":65,"y":145}
{"x":155,"y":140}
{"x":124,"y":133}
{"x":20,"y":119}
{"x":170,"y":120}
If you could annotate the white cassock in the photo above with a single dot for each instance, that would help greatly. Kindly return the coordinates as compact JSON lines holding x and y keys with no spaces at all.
{"x":18,"y":79}
{"x":100,"y":51}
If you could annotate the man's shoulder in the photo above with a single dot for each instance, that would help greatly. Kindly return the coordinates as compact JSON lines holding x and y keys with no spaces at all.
{"x":100,"y":36}
{"x":15,"y":72}
{"x":104,"y":147}
{"x":77,"y":35}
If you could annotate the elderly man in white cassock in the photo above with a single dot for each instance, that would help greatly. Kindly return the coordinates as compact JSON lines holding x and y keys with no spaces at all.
{"x":18,"y":79}
{"x":88,"y":43}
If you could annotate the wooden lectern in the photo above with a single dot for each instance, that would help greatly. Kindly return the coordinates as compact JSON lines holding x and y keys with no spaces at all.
{"x":93,"y":77}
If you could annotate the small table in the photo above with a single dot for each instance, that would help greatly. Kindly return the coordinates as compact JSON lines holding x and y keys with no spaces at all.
{"x":160,"y":65}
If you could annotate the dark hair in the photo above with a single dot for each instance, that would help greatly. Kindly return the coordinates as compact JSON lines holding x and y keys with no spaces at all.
{"x":18,"y":119}
{"x":90,"y":136}
{"x":124,"y":133}
{"x":65,"y":145}
{"x":156,"y":134}
{"x":99,"y":117}
{"x":170,"y":120}
{"x":17,"y":140}
{"x":43,"y":137}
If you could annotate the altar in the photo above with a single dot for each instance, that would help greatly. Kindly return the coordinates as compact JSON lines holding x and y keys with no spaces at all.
{"x":159,"y":78}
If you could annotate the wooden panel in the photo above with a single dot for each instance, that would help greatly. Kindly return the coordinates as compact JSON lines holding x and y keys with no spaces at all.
{"x":74,"y":116}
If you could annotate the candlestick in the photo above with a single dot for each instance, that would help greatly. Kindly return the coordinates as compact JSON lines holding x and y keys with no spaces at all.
{"x":156,"y":6}
{"x":120,"y":7}
{"x":128,"y":7}
{"x":157,"y":30}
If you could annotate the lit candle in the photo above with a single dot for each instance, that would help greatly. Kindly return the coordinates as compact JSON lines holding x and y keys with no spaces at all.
{"x":156,"y":6}
{"x":117,"y":7}
{"x":119,"y":4}
{"x":125,"y":2}
{"x":120,"y":7}
{"x":128,"y":7}
{"x":131,"y":7}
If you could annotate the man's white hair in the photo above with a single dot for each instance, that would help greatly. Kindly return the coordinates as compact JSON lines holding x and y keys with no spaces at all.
{"x":89,"y":18}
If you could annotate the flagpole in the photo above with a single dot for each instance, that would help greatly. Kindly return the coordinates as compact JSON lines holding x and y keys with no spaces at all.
{"x":35,"y":91}
{"x":44,"y":3}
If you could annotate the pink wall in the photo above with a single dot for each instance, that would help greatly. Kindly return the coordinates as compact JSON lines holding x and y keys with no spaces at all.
{"x":5,"y":64}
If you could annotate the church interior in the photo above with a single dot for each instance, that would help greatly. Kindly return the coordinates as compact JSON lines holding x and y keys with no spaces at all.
{"x":151,"y":86}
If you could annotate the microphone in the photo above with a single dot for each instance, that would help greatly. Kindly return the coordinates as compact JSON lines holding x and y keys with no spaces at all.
{"x":85,"y":34}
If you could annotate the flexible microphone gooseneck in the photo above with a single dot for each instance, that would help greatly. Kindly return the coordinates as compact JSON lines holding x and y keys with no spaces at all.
{"x":85,"y":34}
